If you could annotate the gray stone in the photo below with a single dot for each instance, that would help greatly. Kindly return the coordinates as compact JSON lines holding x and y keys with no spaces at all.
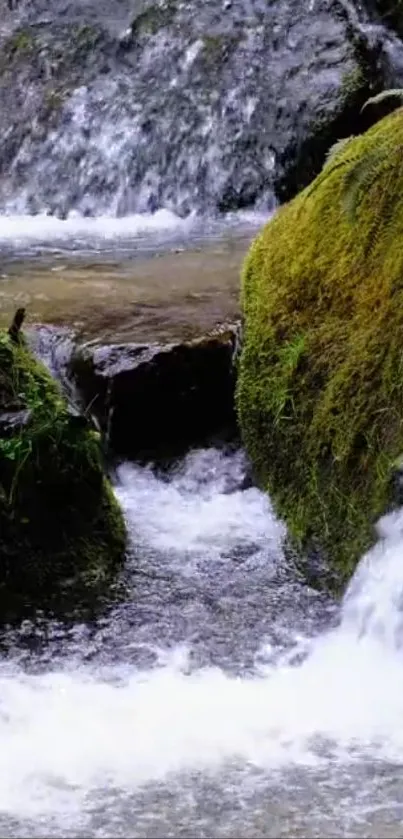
{"x":201,"y":107}
{"x":152,"y":400}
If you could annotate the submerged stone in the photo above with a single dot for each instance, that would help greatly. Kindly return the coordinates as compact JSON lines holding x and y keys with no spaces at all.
{"x":320,"y":391}
{"x":62,"y":535}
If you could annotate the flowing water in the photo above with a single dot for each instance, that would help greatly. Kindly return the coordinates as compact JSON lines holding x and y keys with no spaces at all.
{"x":139,"y":289}
{"x":224,"y":697}
{"x":154,"y":105}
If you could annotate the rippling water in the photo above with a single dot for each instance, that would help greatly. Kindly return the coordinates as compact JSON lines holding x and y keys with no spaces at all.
{"x":224,"y":697}
{"x":32,"y":234}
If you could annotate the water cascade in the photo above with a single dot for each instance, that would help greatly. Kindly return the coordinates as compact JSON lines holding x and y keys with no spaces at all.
{"x":223,"y":681}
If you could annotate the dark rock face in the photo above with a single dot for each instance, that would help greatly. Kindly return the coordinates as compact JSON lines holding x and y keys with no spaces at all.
{"x":13,"y":421}
{"x":188,"y":106}
{"x":390,"y":13}
{"x":155,"y":400}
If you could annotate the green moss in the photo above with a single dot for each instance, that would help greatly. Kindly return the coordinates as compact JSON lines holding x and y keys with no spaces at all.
{"x":352,"y":83}
{"x":70,"y":50}
{"x":156,"y":17}
{"x":218,"y":48}
{"x":53,"y":101}
{"x":21,"y":43}
{"x":20,"y":47}
{"x":84,"y":39}
{"x":62,"y":533}
{"x":320,"y":389}
{"x":70,"y":47}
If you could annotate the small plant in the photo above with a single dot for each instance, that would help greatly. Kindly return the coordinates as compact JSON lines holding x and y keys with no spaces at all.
{"x":14,"y":448}
{"x":363,"y":170}
{"x":391,"y":93}
{"x":289,"y":358}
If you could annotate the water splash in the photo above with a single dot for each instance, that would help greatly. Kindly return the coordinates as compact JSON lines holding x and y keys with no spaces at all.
{"x":192,"y":110}
{"x":20,"y":229}
{"x":330,"y":700}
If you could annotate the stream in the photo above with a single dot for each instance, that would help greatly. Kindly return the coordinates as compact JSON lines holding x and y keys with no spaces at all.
{"x":149,"y":278}
{"x":224,"y":697}
{"x":142,"y":144}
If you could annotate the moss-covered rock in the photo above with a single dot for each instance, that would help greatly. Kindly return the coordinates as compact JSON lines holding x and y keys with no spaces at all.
{"x":320,"y":390}
{"x":151,"y":20}
{"x":62,"y":534}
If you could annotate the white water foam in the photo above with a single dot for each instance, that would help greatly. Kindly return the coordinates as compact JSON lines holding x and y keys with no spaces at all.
{"x":67,"y":733}
{"x":200,"y":512}
{"x":78,"y":231}
{"x":22,"y":228}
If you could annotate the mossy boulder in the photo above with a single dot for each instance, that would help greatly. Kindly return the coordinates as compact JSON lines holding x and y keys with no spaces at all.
{"x":62,"y":534}
{"x":320,"y":388}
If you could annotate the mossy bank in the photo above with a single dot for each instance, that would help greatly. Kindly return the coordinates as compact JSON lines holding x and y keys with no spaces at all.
{"x":62,"y":535}
{"x":320,"y":389}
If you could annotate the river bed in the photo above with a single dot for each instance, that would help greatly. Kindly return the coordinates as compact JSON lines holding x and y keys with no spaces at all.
{"x":115,"y":288}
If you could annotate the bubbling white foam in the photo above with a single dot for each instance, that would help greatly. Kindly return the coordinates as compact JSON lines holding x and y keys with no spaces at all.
{"x":19,"y":229}
{"x":68,"y":733}
{"x":200,"y":510}
{"x":78,"y":231}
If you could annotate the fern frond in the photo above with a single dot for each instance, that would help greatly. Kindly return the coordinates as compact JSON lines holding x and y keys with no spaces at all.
{"x":337,"y":147}
{"x":324,"y":174}
{"x":391,"y":93}
{"x":383,"y":208}
{"x":360,"y":178}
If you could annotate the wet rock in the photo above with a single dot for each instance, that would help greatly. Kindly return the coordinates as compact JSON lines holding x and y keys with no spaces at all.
{"x":13,"y":421}
{"x":397,"y":482}
{"x":153,"y":400}
{"x":390,"y":13}
{"x":176,"y":105}
{"x":375,"y":68}
{"x":54,"y":346}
